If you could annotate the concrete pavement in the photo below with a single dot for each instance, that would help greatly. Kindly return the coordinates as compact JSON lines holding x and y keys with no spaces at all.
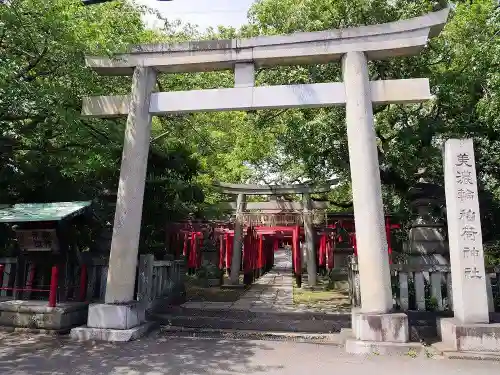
{"x":160,"y":355}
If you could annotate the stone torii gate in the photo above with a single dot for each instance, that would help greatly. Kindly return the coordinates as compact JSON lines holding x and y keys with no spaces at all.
{"x":242,"y":190}
{"x":354,"y":47}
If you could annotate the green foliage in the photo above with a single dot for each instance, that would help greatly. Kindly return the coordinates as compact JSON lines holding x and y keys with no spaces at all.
{"x":408,"y":135}
{"x":462,"y":65}
{"x":48,"y":152}
{"x":431,"y":304}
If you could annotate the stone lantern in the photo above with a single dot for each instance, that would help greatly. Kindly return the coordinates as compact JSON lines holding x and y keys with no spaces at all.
{"x":428,"y":243}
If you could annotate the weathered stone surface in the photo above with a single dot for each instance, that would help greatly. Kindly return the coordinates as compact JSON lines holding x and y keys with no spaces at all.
{"x":37,"y":315}
{"x":380,"y":327}
{"x":427,"y":234}
{"x":123,"y":316}
{"x":106,"y":334}
{"x":470,"y":300}
{"x":371,"y":238}
{"x":145,"y":278}
{"x":403,"y":37}
{"x":41,"y":306}
{"x":265,"y":321}
{"x":244,"y":75}
{"x":237,"y":241}
{"x":257,"y":98}
{"x":120,"y":284}
{"x":411,"y":349}
{"x":336,"y":339}
{"x":256,"y":189}
{"x":469,"y":337}
{"x":309,"y":249}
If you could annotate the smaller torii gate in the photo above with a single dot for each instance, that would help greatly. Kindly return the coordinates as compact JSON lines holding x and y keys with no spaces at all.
{"x":306,"y":207}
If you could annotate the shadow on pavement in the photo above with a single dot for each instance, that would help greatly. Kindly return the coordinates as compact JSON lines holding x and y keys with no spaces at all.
{"x":154,"y":355}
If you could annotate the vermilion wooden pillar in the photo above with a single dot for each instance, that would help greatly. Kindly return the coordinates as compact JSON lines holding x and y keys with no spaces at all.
{"x":229,"y":250}
{"x":297,"y":256}
{"x":221,"y":252}
{"x":330,"y":244}
{"x":185,"y":245}
{"x":192,"y":253}
{"x":247,"y":258}
{"x":254,"y":256}
{"x":353,"y":243}
{"x":198,"y":250}
{"x":322,"y":250}
{"x":260,"y":262}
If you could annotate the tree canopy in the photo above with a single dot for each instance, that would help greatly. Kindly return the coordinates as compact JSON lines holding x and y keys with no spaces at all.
{"x":49,"y":152}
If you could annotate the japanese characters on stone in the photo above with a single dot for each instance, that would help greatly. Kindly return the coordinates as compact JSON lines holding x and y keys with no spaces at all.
{"x":468,"y":218}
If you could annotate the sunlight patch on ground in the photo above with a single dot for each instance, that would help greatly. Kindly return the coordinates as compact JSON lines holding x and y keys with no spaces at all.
{"x":324,"y":296}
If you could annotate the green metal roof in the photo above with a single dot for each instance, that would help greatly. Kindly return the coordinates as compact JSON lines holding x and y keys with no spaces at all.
{"x":26,"y":212}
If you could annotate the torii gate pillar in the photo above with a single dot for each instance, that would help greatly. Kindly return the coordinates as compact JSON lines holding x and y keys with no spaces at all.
{"x":373,"y":322}
{"x":374,"y":273}
{"x":234,"y":276}
{"x":309,"y":241}
{"x":121,"y":317}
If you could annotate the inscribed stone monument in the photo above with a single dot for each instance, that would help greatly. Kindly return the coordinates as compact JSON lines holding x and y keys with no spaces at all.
{"x":464,"y":231}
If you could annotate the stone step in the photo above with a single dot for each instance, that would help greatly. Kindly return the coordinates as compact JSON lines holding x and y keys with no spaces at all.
{"x":475,"y":356}
{"x":207,"y":311}
{"x":336,"y":339}
{"x":449,"y":353}
{"x":408,"y":349}
{"x":262,"y":323}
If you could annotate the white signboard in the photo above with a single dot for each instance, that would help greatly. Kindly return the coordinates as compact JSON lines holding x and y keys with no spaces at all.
{"x":470,"y":301}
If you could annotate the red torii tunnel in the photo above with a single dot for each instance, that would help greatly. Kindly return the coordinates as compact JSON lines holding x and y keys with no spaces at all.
{"x":260,"y":243}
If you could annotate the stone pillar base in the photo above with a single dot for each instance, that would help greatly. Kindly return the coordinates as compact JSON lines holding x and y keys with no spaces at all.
{"x":380,"y":327}
{"x":412,"y":349}
{"x":381,"y":334}
{"x":114,"y":322}
{"x":460,"y":337}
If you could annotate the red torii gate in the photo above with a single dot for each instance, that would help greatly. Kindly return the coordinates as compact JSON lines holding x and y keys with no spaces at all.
{"x":257,"y":251}
{"x":328,"y":243}
{"x":295,"y":233}
{"x":260,"y":242}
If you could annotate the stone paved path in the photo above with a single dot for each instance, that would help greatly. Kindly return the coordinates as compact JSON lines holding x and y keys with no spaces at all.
{"x":157,"y":355}
{"x":273,"y":292}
